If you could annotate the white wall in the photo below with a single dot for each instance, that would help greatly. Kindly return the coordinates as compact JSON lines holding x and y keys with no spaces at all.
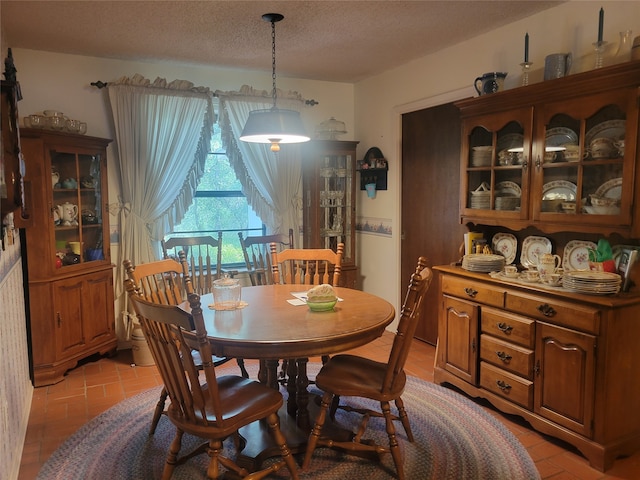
{"x":448,"y":75}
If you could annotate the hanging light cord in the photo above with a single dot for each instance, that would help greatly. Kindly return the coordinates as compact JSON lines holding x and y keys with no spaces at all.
{"x":273,"y":60}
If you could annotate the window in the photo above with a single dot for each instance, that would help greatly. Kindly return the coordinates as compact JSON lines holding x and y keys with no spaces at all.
{"x":219,"y":204}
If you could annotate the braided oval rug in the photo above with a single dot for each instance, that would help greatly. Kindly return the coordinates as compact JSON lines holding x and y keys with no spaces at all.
{"x":454,"y":439}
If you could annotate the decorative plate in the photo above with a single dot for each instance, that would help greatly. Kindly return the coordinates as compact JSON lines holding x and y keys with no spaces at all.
{"x":576,"y":255}
{"x":508,"y":189}
{"x":610,"y":189}
{"x":559,"y":190}
{"x":510,"y":140}
{"x":561,"y":136}
{"x":614,"y":129}
{"x":505,"y":244}
{"x":531,"y":248}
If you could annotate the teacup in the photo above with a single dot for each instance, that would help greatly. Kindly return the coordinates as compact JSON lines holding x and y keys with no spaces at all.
{"x":531,"y":275}
{"x":510,"y":271}
{"x":571,"y":153}
{"x":619,"y":144}
{"x":553,"y":279}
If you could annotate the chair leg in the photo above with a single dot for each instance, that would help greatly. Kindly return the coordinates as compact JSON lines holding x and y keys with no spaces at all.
{"x":215,"y":447}
{"x":243,"y":370}
{"x":317,"y":429}
{"x":404,"y":418}
{"x":274,"y":427}
{"x":172,"y":456}
{"x":393,"y":441}
{"x":158,"y":411}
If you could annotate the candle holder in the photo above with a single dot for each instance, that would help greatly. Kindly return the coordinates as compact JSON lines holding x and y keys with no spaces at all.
{"x":599,"y":48}
{"x":526,"y":68}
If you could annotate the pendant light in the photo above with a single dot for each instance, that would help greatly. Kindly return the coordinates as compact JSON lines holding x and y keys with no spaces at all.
{"x":274,"y":125}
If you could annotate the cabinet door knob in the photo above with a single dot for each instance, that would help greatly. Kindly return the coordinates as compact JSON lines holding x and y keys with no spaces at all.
{"x":505,"y":357}
{"x":503,"y":327}
{"x":502,"y":385}
{"x":470,"y":292}
{"x":547,"y":310}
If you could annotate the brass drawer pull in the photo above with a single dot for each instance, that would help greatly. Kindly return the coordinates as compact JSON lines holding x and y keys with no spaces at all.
{"x":470,"y":292}
{"x":547,"y":310}
{"x":502,"y":385}
{"x":503,"y":327}
{"x":505,"y":357}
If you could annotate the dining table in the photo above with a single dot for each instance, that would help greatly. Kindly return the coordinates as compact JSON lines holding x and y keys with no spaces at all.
{"x":273,"y":323}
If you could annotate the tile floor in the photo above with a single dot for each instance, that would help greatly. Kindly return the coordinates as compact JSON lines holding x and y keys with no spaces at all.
{"x":59,"y":410}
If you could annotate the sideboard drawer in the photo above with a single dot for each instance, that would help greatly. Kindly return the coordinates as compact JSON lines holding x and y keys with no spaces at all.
{"x":515,"y":389}
{"x":482,"y":293}
{"x":570,"y":315}
{"x":507,"y":355}
{"x":508,"y":326}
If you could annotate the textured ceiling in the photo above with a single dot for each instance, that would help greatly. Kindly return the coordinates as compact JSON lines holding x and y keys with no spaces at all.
{"x":343,"y":41}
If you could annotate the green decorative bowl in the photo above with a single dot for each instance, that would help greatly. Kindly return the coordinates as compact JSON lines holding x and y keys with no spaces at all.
{"x":322,"y":306}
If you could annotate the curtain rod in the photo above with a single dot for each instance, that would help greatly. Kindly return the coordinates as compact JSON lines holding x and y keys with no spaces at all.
{"x":101,"y":84}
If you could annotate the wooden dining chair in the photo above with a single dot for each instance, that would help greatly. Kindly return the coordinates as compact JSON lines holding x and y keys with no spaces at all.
{"x":204,"y":258}
{"x":257,"y":255}
{"x":165,"y":282}
{"x":353,"y":376}
{"x":307,"y":266}
{"x":213,"y":410}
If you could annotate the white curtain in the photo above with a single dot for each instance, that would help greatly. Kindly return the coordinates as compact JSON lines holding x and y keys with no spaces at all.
{"x":271,"y":182}
{"x":163,"y":132}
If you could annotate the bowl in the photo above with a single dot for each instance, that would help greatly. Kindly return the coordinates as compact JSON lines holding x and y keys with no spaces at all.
{"x":322,"y":306}
{"x":597,"y":201}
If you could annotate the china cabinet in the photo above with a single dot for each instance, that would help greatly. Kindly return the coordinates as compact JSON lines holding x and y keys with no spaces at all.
{"x":329,"y":206}
{"x":565,"y":362}
{"x":560,"y":155}
{"x":70,"y":276}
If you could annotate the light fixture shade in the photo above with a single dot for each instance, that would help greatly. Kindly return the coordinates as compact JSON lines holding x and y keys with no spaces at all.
{"x":274,"y":125}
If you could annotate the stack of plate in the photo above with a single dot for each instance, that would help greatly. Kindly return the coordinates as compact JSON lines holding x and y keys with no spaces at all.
{"x":481,"y":196}
{"x":591,"y":282}
{"x":479,"y":262}
{"x":481,"y":156}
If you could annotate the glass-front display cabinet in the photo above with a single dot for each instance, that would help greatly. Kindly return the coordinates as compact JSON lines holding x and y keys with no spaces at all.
{"x":559,"y":155}
{"x":329,"y":210}
{"x":69,"y":270}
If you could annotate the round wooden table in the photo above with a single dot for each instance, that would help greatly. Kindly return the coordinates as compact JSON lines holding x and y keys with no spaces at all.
{"x":269,"y":328}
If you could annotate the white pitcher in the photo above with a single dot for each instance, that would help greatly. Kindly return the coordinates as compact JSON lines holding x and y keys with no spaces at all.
{"x":548,"y":264}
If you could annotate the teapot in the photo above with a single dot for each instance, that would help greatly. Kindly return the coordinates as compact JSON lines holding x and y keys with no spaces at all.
{"x":547,"y":264}
{"x":68,"y":213}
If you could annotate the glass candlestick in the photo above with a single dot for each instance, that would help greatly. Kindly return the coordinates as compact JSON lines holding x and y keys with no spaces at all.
{"x":599,"y":48}
{"x":526,"y":68}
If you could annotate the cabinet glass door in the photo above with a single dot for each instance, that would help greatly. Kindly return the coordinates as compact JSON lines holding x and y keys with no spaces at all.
{"x":336,"y":177}
{"x":581,"y":167}
{"x":496,"y":162}
{"x":76,"y":208}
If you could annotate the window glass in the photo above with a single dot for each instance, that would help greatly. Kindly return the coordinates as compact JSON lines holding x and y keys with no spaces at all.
{"x":219,"y":204}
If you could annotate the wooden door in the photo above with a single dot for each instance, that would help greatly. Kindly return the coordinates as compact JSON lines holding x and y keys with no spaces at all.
{"x":564,"y":377}
{"x":430,"y":192}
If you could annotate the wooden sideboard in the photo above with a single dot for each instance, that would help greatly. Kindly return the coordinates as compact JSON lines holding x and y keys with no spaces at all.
{"x":567,"y":363}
